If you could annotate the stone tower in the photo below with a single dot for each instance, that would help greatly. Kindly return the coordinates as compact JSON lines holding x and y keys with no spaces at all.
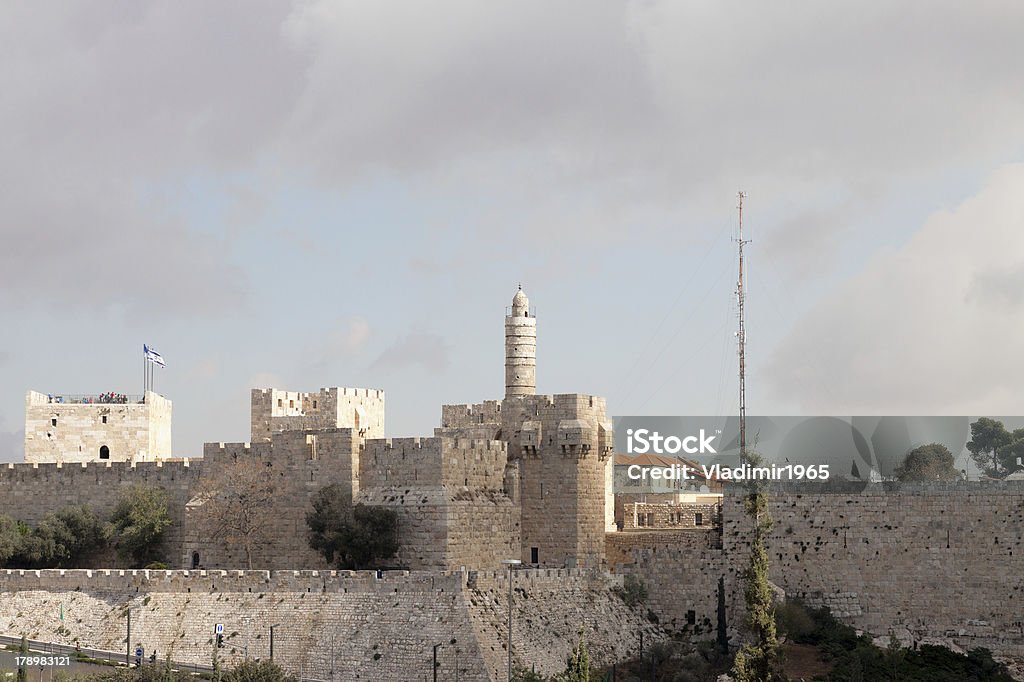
{"x":64,"y":429}
{"x":520,"y":348}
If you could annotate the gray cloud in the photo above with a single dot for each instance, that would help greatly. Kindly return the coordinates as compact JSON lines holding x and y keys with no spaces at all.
{"x":1001,"y":288}
{"x":913,"y":333}
{"x":653,"y":101}
{"x":12,"y":446}
{"x":427,"y":351}
{"x":118,"y":109}
{"x":621,"y":111}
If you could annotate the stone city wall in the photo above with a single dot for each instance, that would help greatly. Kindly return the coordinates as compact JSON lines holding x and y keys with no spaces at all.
{"x":620,"y":546}
{"x":29,"y":491}
{"x":437,"y":461}
{"x":926,"y":563}
{"x":302,"y":463}
{"x":440,"y":528}
{"x":355,"y":625}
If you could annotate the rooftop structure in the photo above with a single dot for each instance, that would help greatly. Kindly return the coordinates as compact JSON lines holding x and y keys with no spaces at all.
{"x":107,"y":426}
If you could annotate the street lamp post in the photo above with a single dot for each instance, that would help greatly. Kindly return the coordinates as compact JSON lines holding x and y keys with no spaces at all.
{"x":436,"y":646}
{"x":511,"y":563}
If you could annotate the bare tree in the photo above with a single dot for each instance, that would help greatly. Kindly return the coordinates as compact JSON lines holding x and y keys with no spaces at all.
{"x":234,"y":503}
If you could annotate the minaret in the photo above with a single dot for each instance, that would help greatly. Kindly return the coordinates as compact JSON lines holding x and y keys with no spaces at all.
{"x":520,"y":348}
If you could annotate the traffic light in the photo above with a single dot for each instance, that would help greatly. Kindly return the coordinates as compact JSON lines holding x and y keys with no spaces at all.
{"x":220,"y":641}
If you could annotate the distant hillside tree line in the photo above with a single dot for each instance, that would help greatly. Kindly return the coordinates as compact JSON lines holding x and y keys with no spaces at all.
{"x":75,"y":535}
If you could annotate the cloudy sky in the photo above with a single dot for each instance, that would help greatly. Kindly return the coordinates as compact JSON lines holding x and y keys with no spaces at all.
{"x":347,"y":193}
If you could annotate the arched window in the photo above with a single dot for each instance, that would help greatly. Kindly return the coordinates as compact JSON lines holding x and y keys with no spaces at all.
{"x":104,"y":452}
{"x":195,"y":560}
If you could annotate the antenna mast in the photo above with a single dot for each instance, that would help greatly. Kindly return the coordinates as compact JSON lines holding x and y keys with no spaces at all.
{"x":742,"y":337}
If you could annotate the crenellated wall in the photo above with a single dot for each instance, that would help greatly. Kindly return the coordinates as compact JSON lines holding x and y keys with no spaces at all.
{"x":274,"y":410}
{"x":302,"y":463}
{"x":29,"y":491}
{"x":452,"y":510}
{"x":561,"y":445}
{"x":360,"y":625}
{"x":458,"y":462}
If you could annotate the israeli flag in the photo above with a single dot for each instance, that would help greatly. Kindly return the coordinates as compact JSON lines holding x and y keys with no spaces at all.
{"x":153,"y":356}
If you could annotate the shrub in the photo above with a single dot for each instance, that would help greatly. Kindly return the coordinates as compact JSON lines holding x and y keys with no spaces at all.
{"x":633,"y":591}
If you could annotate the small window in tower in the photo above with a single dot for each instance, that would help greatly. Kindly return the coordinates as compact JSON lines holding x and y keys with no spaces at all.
{"x":534,"y":555}
{"x":53,"y":422}
{"x":291,"y":403}
{"x":691,"y":617}
{"x":650,"y":519}
{"x":314,"y":404}
{"x":280,"y":403}
{"x":104,"y":419}
{"x":104,"y":452}
{"x":698,"y":519}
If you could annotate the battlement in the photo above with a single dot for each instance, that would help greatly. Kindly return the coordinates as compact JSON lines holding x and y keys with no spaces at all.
{"x":466,"y":414}
{"x":293,"y":448}
{"x":560,"y":405}
{"x":143,"y":581}
{"x":275,"y":410}
{"x":21,"y":471}
{"x":327,"y":392}
{"x":436,"y":461}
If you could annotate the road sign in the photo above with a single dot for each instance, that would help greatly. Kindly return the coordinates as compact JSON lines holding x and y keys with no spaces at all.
{"x":139,"y":651}
{"x":219,"y":628}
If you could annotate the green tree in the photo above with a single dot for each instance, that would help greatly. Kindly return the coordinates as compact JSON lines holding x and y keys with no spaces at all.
{"x":351,"y":537}
{"x":987,"y":437}
{"x":577,"y":668}
{"x":67,"y":538}
{"x":1009,"y":453}
{"x":932,"y":462}
{"x":759,"y":661}
{"x":139,"y":522}
{"x":11,"y":540}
